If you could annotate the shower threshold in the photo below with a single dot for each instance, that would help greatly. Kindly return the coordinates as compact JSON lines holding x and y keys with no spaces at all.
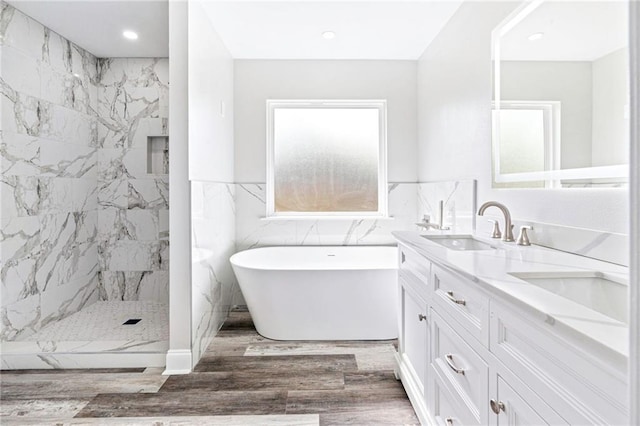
{"x":96,"y":337}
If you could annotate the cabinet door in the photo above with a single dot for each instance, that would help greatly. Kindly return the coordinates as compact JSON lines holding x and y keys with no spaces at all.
{"x":514,"y":410}
{"x":414,"y":333}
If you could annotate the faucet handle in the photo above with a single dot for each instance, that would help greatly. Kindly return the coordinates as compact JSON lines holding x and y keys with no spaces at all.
{"x":523,"y":238}
{"x":496,"y":229}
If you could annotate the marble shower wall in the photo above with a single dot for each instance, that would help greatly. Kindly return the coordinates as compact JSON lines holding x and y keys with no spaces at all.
{"x":213,"y":284}
{"x":48,"y":191}
{"x":133,"y":215}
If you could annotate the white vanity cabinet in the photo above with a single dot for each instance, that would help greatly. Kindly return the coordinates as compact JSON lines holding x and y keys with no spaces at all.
{"x":413,"y":342}
{"x":468,"y":357}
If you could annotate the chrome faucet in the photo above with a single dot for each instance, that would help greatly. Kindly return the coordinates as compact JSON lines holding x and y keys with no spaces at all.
{"x":427,"y":224}
{"x":508,"y":227}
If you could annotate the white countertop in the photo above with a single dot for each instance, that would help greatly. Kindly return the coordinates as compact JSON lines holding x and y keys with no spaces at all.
{"x":604,"y":336}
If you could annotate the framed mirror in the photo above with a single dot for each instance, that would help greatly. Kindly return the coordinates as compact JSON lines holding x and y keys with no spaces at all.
{"x":561,"y":96}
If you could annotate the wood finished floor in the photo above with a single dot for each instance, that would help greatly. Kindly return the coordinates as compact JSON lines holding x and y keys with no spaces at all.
{"x":242,"y":379}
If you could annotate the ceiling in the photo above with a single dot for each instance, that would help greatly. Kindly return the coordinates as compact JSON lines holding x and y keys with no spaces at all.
{"x":573,"y":31}
{"x":97,"y":25}
{"x":364,"y":29}
{"x":254,"y":29}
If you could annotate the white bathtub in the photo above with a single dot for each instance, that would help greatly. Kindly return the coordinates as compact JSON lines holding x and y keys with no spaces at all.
{"x":320,"y":293}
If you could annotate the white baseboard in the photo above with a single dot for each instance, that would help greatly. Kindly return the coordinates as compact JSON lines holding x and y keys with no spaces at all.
{"x":178,"y":362}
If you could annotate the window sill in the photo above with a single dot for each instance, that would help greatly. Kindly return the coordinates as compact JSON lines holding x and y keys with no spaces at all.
{"x":300,"y":218}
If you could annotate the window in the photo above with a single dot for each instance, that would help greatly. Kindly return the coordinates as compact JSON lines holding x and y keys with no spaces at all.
{"x":326,"y":158}
{"x":526,"y":139}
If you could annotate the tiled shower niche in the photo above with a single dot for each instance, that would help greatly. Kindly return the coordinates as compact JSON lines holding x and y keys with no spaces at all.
{"x":158,"y":155}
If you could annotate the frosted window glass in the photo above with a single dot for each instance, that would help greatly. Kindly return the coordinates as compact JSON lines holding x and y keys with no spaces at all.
{"x":326,"y":159}
{"x":522,"y":141}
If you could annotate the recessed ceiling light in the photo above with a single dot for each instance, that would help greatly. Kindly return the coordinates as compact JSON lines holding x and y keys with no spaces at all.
{"x":535,"y":36}
{"x":328,"y":35}
{"x":131,"y":35}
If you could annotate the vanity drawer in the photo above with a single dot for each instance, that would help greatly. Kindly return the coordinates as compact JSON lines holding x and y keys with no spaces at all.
{"x":455,"y":295}
{"x":572,"y":380}
{"x":447,"y":409}
{"x":460,"y":365}
{"x":414,"y":264}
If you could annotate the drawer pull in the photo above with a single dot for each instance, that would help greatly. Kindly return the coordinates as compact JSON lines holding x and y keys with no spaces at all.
{"x":449,"y":359}
{"x":496,"y":406}
{"x":421,"y":317}
{"x":449,"y":421}
{"x":454,"y":300}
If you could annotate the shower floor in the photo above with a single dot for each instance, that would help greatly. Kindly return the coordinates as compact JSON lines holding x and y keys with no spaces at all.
{"x":96,"y":337}
{"x":105,"y":321}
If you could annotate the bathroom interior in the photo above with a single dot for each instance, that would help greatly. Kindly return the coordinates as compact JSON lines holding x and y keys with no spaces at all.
{"x":102,"y":268}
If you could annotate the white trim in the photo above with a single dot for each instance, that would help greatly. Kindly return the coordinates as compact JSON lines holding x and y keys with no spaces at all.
{"x":603,"y":172}
{"x":379,"y":104}
{"x":634,"y":213}
{"x":178,"y":362}
{"x":180,"y":206}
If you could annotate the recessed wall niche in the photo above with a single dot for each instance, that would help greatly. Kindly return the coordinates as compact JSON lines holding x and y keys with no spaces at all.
{"x":158,"y":155}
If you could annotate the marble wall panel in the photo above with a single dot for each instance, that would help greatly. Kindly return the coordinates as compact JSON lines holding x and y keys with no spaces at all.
{"x":19,"y":154}
{"x":48,"y":187}
{"x":459,"y":198}
{"x":213,"y":242}
{"x":134,"y":285}
{"x":133,"y":230}
{"x":253,"y":230}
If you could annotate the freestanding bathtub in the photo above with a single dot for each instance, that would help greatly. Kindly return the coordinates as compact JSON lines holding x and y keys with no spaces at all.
{"x":320,"y":293}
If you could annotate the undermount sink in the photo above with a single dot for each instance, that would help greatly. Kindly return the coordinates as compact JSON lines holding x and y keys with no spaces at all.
{"x":459,"y":242}
{"x":597,"y":291}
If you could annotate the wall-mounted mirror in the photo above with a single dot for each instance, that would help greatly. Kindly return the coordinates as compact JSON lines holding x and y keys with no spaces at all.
{"x":561,"y":96}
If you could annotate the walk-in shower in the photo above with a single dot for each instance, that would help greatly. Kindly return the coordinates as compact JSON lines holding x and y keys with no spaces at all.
{"x":84,"y":203}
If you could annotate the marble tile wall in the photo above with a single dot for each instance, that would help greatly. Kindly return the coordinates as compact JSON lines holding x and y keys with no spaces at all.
{"x":253,"y":230}
{"x":459,"y":203}
{"x":48,"y":191}
{"x":133,"y":214}
{"x":214,"y":288}
{"x":407,"y":203}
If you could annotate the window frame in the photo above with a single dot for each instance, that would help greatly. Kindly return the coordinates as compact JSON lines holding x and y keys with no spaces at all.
{"x":380,"y":105}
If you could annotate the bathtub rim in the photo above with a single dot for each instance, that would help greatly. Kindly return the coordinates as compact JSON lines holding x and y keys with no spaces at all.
{"x":292,"y":268}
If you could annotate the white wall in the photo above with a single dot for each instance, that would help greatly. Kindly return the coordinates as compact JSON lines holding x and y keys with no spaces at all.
{"x":211,"y":102}
{"x":454,"y":105}
{"x":259,"y":80}
{"x":610,"y":109}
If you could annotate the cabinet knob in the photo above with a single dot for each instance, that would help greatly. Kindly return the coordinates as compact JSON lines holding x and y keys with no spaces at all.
{"x":496,"y":406}
{"x":421,"y":317}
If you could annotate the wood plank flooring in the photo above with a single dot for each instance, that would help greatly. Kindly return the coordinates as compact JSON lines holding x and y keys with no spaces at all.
{"x":242,"y":379}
